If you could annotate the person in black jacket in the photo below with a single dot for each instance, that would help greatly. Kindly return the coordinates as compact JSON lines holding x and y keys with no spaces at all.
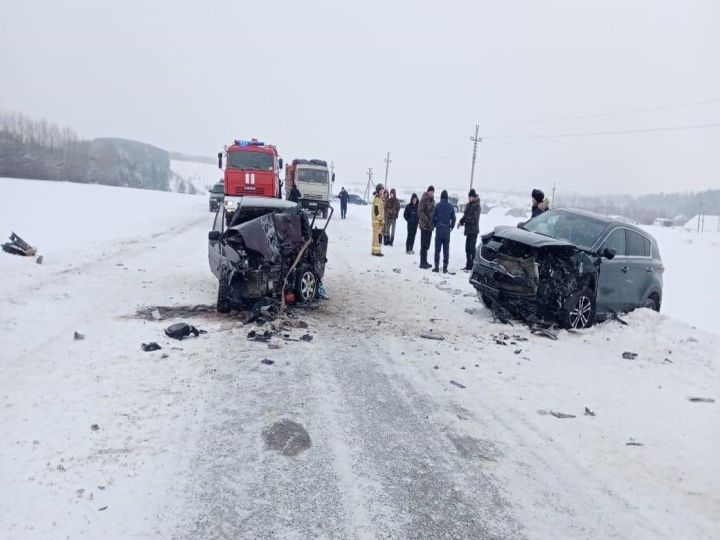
{"x":443,"y":219}
{"x":343,"y":203}
{"x":295,"y":194}
{"x":539,"y":203}
{"x":411,"y":216}
{"x":471,"y":222}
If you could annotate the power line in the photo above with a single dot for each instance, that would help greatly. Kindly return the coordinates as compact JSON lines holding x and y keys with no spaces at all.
{"x":605,"y":114}
{"x":602,"y":133}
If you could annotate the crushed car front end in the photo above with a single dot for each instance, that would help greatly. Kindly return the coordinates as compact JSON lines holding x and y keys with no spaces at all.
{"x":531,"y":277}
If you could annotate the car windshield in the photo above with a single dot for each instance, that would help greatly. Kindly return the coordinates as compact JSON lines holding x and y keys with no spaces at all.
{"x":581,"y":231}
{"x":219,"y":188}
{"x":250,"y":160}
{"x":312,"y":175}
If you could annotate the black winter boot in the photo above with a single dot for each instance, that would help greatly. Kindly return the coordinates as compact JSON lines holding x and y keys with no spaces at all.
{"x":436,"y":269}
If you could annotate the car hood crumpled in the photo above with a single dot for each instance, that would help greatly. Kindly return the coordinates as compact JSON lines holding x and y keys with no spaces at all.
{"x":528,"y":238}
{"x":271,"y":235}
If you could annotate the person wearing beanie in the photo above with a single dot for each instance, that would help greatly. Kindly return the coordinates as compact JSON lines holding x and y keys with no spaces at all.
{"x":411,"y":216}
{"x":539,"y":203}
{"x":471,"y":222}
{"x":425,"y":210}
{"x":377,"y":217}
{"x":392,"y":211}
{"x":443,"y":220}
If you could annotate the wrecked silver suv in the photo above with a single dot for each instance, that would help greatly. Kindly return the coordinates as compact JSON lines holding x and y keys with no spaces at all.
{"x":569,"y":267}
{"x":266,"y":249}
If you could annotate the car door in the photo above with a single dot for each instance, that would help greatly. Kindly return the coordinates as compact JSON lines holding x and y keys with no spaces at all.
{"x":613,"y":276}
{"x":215,"y":248}
{"x":640,"y":270}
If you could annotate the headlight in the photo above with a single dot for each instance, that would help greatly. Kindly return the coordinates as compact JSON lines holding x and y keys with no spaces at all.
{"x":230,"y":205}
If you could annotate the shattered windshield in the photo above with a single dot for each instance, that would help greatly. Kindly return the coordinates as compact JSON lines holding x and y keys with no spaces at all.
{"x":581,"y":231}
{"x":312,"y":175}
{"x":250,"y":160}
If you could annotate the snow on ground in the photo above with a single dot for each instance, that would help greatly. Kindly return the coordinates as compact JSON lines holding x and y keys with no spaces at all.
{"x":201,"y":176}
{"x":396,"y":449}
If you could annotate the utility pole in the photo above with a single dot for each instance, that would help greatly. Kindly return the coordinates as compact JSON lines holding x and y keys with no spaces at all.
{"x":552,"y":201}
{"x":475,"y":141}
{"x":388,"y":161}
{"x":370,"y":185}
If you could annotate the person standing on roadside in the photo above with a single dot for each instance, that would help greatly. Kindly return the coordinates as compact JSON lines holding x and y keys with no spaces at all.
{"x":411,"y":216}
{"x":471,"y":222}
{"x":377,"y":216}
{"x":443,"y":219}
{"x":295,"y":193}
{"x":392,"y":211}
{"x":343,"y":196}
{"x":425,"y":210}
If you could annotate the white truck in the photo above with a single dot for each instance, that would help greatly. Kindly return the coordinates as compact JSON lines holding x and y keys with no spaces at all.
{"x":313,"y":180}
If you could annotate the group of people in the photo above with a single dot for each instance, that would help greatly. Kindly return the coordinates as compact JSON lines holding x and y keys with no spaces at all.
{"x":426,"y":215}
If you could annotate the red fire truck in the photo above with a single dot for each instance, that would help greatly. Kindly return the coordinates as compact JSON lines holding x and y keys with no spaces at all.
{"x":251,"y":168}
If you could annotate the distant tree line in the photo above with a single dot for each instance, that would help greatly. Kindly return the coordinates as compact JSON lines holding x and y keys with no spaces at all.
{"x":40,"y":150}
{"x":647,"y":208}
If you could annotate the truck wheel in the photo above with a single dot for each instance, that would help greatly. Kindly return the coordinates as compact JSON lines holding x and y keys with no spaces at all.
{"x":579,"y":310}
{"x":223,"y":302}
{"x":305,"y":285}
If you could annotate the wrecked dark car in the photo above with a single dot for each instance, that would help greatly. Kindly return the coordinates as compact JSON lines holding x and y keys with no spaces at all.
{"x":266,"y":249}
{"x":569,"y":267}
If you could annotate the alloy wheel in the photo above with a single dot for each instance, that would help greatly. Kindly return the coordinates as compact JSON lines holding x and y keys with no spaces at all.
{"x":580,"y":314}
{"x":308,"y":284}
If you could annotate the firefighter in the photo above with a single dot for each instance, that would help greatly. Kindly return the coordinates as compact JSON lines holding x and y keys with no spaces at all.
{"x":377,"y":217}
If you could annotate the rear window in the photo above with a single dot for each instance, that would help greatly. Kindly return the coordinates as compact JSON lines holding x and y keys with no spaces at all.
{"x":636,"y":245}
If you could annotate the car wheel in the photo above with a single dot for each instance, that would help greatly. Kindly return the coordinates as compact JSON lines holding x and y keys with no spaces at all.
{"x":652,"y":302}
{"x":579,"y":310}
{"x":306,"y":285}
{"x":223,"y":302}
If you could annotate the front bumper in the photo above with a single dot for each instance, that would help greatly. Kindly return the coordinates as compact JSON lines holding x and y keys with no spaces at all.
{"x":500,"y":290}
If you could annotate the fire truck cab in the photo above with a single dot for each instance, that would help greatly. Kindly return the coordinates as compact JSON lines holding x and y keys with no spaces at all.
{"x":251,"y":168}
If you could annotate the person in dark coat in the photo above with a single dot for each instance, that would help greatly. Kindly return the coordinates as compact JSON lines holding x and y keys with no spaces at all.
{"x":539,"y":203}
{"x":411,"y":216}
{"x":425,"y":210}
{"x":392,"y":211}
{"x":295,"y":194}
{"x":343,"y":196}
{"x":443,"y":220}
{"x":471,"y":222}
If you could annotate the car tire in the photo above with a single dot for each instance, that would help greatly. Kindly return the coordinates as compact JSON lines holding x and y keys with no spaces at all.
{"x":651,"y":302}
{"x":579,"y":310}
{"x":223,"y":302}
{"x":305,"y":285}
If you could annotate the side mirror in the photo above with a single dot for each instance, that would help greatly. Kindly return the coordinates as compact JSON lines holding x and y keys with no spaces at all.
{"x":608,"y":253}
{"x":333,"y":177}
{"x":280,"y":164}
{"x":219,"y":160}
{"x":214,"y":236}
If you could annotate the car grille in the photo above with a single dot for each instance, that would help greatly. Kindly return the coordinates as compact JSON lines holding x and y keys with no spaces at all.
{"x":488,"y":254}
{"x":313,"y":197}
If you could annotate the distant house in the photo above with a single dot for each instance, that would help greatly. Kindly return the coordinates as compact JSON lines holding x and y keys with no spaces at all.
{"x":703,"y":223}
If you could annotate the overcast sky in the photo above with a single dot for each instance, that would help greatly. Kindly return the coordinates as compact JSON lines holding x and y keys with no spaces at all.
{"x":349,"y":81}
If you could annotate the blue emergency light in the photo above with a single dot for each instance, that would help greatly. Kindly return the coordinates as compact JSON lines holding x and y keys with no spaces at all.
{"x":253,"y":142}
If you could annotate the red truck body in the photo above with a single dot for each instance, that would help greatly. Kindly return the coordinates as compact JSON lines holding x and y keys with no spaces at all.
{"x":251,"y":168}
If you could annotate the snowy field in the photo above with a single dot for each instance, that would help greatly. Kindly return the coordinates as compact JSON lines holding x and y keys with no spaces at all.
{"x":202,"y":176}
{"x":102,"y":440}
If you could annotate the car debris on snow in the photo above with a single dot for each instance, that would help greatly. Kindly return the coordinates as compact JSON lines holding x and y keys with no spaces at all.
{"x":265,"y":336}
{"x":77,"y":336}
{"x":701,"y":400}
{"x":633,"y":443}
{"x":149,"y":347}
{"x":455,"y":383}
{"x":556,"y":414}
{"x":18,"y":246}
{"x":432,"y":337}
{"x":588,"y":412}
{"x":95,"y":427}
{"x":39,"y":260}
{"x":182,"y":330}
{"x":306,"y":337}
{"x":629,"y":355}
{"x":102,"y":508}
{"x":544,"y":332}
{"x":267,"y":361}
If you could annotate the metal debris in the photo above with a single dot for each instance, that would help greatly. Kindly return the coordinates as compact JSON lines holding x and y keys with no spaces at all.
{"x":152,"y":346}
{"x":588,"y":412}
{"x":701,"y":400}
{"x":433,"y":337}
{"x":455,"y":383}
{"x":629,"y":355}
{"x":267,"y":361}
{"x":77,"y":336}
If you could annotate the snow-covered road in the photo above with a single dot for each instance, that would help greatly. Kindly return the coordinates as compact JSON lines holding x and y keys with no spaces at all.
{"x":189,"y":439}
